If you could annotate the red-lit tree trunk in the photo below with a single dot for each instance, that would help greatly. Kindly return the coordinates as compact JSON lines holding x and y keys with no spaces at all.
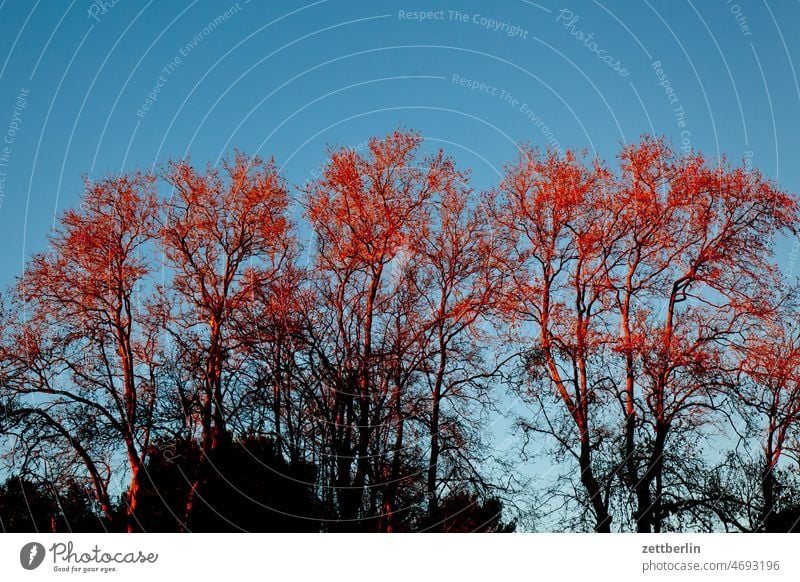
{"x":770,"y":362}
{"x":550,"y":216}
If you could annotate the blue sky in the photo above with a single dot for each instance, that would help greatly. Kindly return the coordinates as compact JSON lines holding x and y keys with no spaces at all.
{"x":286,"y":78}
{"x":92,"y":87}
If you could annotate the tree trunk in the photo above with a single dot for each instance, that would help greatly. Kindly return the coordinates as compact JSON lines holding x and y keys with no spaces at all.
{"x":390,"y":500}
{"x":433,"y":464}
{"x":134,"y":492}
{"x":365,"y":389}
{"x":648,"y":514}
{"x":768,"y":481}
{"x":433,"y":501}
{"x":602,"y":517}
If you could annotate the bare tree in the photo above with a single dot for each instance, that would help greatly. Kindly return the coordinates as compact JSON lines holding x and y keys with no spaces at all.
{"x":225,"y":236}
{"x":85,"y":350}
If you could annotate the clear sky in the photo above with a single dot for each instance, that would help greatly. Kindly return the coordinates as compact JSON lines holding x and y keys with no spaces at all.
{"x":97,"y":87}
